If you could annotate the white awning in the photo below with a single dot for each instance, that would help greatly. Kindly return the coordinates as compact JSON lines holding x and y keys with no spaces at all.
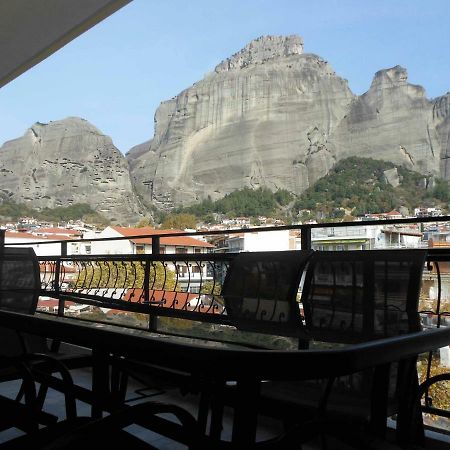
{"x":31,"y":30}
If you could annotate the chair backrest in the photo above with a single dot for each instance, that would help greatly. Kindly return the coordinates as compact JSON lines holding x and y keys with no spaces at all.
{"x":19,"y":292}
{"x":260,"y":291}
{"x":355,"y":296}
{"x":19,"y":280}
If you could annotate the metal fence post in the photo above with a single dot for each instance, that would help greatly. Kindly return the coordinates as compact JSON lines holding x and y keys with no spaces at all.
{"x":2,"y":249}
{"x":58,"y":278}
{"x":155,"y":245}
{"x":153,"y":319}
{"x":306,"y":237}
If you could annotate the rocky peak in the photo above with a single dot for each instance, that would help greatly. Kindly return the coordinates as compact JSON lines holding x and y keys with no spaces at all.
{"x":65,"y":162}
{"x":262,"y":49}
{"x":393,"y":77}
{"x":441,"y":106}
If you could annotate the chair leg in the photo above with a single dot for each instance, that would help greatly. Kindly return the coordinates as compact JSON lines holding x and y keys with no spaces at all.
{"x":203,"y":409}
{"x":409,"y":418}
{"x":21,"y":392}
{"x":217,"y":408}
{"x":379,"y":400}
{"x":119,"y":385}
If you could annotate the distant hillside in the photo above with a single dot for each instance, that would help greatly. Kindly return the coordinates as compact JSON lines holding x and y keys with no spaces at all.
{"x":11,"y":211}
{"x":242,"y":202}
{"x":358,"y":186}
{"x":355,"y":186}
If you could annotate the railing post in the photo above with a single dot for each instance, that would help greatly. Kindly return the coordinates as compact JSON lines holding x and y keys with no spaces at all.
{"x":306,"y":237}
{"x":58,"y":277}
{"x":156,"y":249}
{"x":2,"y":249}
{"x":152,"y":319}
{"x":155,"y":245}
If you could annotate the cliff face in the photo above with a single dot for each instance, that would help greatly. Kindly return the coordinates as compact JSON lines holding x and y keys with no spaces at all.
{"x":262,"y":118}
{"x":273,"y":116}
{"x":392,"y":121}
{"x":65,"y":162}
{"x":270,"y":115}
{"x":441,"y":122}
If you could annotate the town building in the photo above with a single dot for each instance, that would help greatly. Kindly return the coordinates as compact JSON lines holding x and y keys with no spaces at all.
{"x":263,"y":241}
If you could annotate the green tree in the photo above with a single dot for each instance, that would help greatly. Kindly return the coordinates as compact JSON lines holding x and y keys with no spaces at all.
{"x":441,"y":190}
{"x":145,"y":222}
{"x":283,"y":197}
{"x":179,"y":221}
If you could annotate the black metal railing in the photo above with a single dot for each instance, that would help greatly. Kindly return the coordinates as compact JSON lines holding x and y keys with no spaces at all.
{"x":177,"y":285}
{"x":188,"y":286}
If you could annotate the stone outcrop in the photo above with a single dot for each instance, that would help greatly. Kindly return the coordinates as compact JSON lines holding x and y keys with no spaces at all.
{"x":273,"y":116}
{"x":66,"y":162}
{"x":441,"y":122}
{"x":392,"y":177}
{"x":392,"y":121}
{"x":270,"y":115}
{"x":262,"y":118}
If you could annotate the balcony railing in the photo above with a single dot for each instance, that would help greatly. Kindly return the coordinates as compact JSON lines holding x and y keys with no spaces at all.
{"x":132,"y":282}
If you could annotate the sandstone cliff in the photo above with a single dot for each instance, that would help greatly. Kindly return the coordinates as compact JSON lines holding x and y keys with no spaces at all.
{"x":272,"y":115}
{"x":263,"y":117}
{"x":65,"y":162}
{"x":392,"y":121}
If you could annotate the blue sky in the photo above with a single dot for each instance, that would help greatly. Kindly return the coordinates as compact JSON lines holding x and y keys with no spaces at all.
{"x":117,"y":73}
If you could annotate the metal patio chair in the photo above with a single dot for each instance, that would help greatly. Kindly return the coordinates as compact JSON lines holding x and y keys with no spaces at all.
{"x":111,"y":430}
{"x":260,"y":293}
{"x":351,"y":297}
{"x":19,"y":292}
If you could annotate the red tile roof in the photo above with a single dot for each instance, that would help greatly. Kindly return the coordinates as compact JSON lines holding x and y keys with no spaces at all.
{"x":55,"y":230}
{"x":48,"y":267}
{"x":171,"y":299}
{"x":185,"y":241}
{"x":21,"y":235}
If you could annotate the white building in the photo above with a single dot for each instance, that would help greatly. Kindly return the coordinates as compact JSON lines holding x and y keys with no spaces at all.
{"x":259,"y":241}
{"x":42,"y":245}
{"x":365,"y":237}
{"x":129,"y":245}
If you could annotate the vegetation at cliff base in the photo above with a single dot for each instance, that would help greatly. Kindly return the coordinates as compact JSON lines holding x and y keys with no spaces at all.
{"x":353,"y":187}
{"x":243,"y":202}
{"x":359,"y":186}
{"x":10,"y":210}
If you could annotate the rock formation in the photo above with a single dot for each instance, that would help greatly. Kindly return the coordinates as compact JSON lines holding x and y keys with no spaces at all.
{"x":273,"y":116}
{"x":65,"y":162}
{"x":392,"y":121}
{"x":270,"y":115}
{"x":262,"y":118}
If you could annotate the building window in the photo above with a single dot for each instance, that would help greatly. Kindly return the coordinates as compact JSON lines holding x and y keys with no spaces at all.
{"x":88,"y":249}
{"x":197,"y":250}
{"x":195,"y":269}
{"x":181,"y":250}
{"x":182,"y":270}
{"x":140,"y":249}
